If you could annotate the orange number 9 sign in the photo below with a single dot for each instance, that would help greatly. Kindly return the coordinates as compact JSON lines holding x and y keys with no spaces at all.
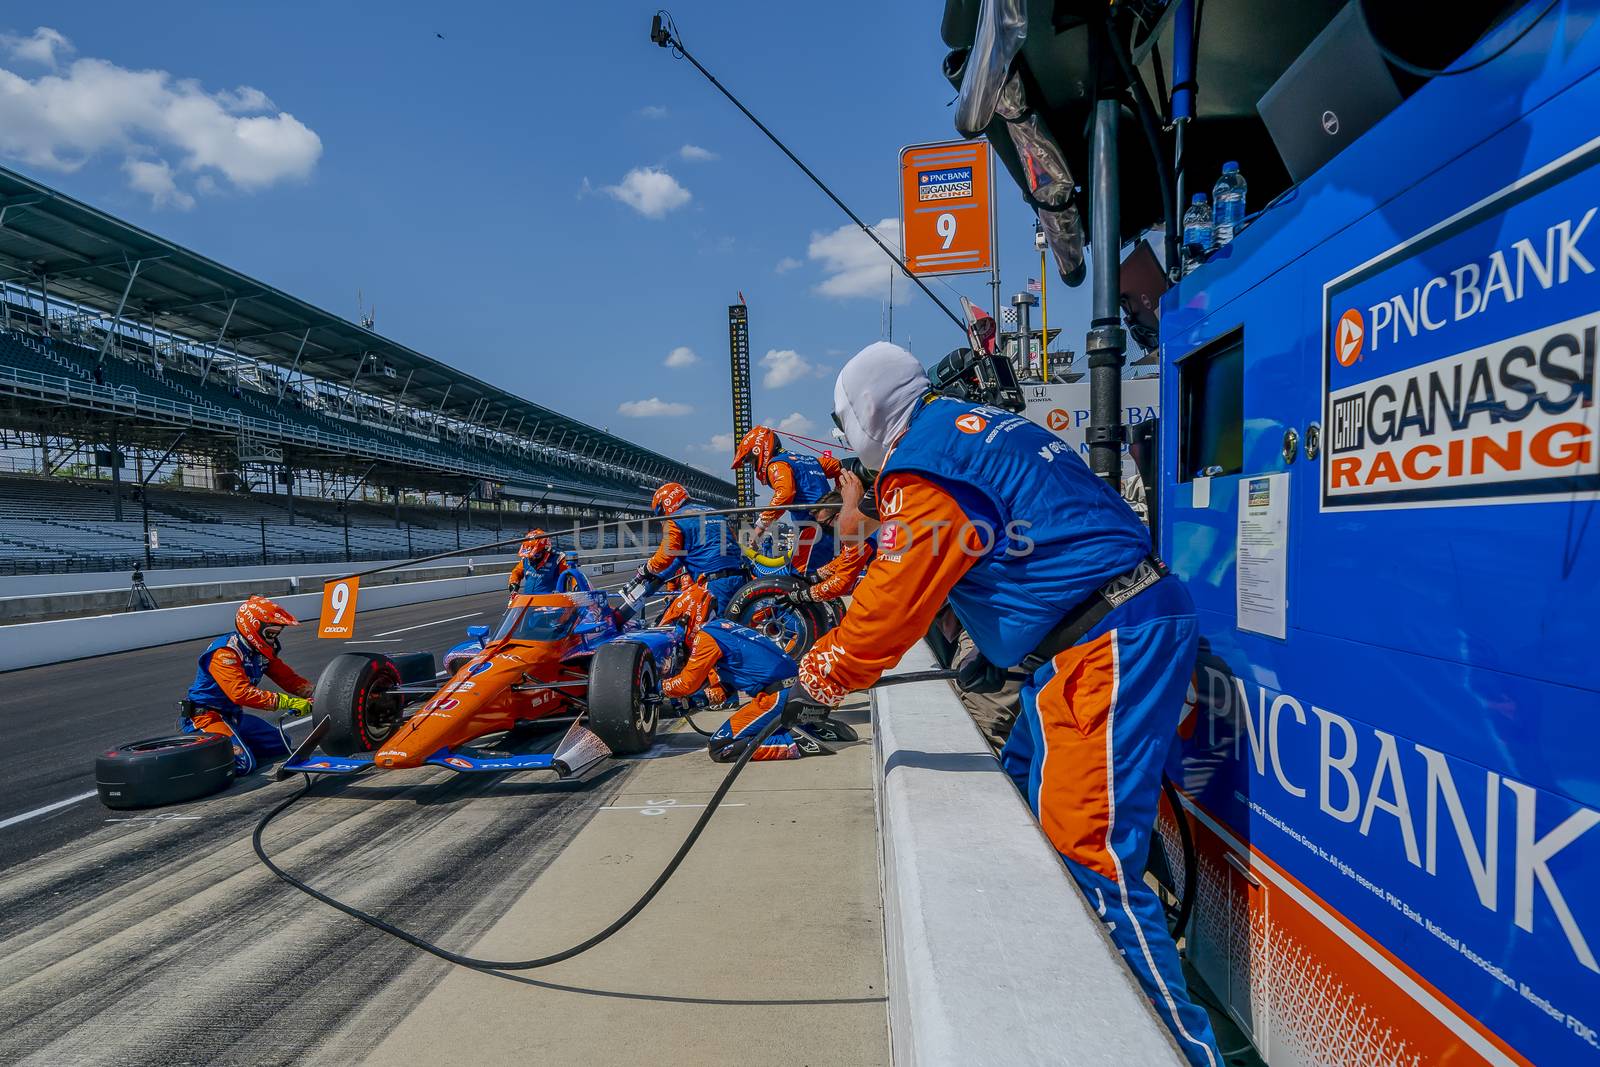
{"x":339,"y":608}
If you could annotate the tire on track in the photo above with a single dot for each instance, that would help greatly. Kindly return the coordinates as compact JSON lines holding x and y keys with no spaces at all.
{"x":353,"y":693}
{"x":164,"y":770}
{"x":624,"y":684}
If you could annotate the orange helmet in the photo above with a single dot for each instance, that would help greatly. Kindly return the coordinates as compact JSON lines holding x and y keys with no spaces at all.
{"x":668,"y":498}
{"x":535,"y":547}
{"x":258,"y":621}
{"x":759,"y":445}
{"x":692,"y":608}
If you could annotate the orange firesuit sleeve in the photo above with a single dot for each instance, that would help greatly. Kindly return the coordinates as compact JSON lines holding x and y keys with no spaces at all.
{"x":287,"y":679}
{"x":924,"y":547}
{"x":831,"y":468}
{"x":668,"y":552}
{"x":516,"y":575}
{"x":780,"y":476}
{"x":230,"y":676}
{"x":840,"y":574}
{"x":703,"y":655}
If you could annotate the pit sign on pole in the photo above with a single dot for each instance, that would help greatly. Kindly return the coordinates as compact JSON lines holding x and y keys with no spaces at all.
{"x":338,"y":619}
{"x":946,"y":207}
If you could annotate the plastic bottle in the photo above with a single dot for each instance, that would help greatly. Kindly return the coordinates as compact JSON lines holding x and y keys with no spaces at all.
{"x":1197,"y":232}
{"x":1228,"y":197}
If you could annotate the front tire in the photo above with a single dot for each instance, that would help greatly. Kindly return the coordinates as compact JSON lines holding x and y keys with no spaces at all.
{"x":624,"y":697}
{"x":353,"y":692}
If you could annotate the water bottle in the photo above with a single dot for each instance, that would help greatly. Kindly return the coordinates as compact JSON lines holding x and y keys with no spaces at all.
{"x":1228,"y":196}
{"x":1197,"y":231}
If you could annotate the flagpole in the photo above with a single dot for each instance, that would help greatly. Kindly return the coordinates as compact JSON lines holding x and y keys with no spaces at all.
{"x":1044,"y":318}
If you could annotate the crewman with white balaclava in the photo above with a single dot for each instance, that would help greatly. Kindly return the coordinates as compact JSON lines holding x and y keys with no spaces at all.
{"x":1051,"y":573}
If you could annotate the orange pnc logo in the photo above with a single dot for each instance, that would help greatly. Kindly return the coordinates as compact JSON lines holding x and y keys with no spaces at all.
{"x":1058,"y":419}
{"x":970,"y":423}
{"x":1348,"y":337}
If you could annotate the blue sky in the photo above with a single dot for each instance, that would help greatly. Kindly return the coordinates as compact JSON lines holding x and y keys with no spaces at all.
{"x":539,"y":197}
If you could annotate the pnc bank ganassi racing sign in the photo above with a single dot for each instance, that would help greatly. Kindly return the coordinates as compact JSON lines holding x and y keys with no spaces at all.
{"x":1459,"y":367}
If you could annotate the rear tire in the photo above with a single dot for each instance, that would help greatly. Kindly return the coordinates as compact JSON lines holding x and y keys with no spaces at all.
{"x":164,"y":770}
{"x":353,"y":692}
{"x":795,"y":629}
{"x":624,"y":697}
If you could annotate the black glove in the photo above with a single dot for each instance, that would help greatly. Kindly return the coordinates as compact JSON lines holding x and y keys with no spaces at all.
{"x":977,"y":675}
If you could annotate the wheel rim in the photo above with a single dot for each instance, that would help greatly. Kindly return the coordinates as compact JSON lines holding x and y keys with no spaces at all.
{"x":644,"y":710}
{"x":784,"y":627}
{"x":379,"y":712}
{"x":164,"y":743}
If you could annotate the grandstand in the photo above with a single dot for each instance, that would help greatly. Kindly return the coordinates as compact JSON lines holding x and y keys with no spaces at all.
{"x":125,"y":357}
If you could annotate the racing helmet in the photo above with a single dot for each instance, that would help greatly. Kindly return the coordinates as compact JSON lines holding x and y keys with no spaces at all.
{"x":259,"y":621}
{"x":668,"y":499}
{"x":690,"y":609}
{"x":759,"y":446}
{"x":535,"y":547}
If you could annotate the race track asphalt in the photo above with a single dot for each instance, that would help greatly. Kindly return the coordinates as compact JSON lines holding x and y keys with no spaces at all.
{"x":157,"y":938}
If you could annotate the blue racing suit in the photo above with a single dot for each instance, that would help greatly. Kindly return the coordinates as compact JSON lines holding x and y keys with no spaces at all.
{"x":996,"y":515}
{"x":748,"y":662}
{"x":797,"y":479}
{"x":705,"y":547}
{"x":557,"y":574}
{"x":226,"y":683}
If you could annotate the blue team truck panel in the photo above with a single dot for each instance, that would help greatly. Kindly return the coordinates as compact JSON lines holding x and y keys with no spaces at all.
{"x":1381,"y":459}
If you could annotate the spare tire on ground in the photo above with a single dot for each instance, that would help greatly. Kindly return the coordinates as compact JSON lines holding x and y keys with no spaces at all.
{"x":761,"y":605}
{"x":164,"y":770}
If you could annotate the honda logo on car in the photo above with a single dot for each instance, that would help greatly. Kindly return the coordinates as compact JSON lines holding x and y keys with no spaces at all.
{"x":1461,"y":364}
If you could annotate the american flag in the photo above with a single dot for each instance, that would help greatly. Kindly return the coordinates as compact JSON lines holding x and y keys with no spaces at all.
{"x":1034,"y":286}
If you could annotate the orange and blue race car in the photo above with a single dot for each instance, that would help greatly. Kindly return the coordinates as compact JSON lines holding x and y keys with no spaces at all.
{"x":555,"y":656}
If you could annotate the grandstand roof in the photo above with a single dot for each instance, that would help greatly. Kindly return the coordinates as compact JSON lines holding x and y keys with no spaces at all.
{"x":94,"y":259}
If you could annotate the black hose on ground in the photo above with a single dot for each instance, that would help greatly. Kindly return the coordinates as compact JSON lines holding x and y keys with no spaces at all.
{"x":514,"y":965}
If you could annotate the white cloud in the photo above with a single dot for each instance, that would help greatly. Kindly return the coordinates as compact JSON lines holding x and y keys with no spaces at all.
{"x":41,"y":48}
{"x":682,"y":356}
{"x":62,"y":120}
{"x":787,"y":264}
{"x":784,"y":367}
{"x":650,"y":191}
{"x":722,"y":442}
{"x":655,"y":406}
{"x":652,"y":111}
{"x":855,"y":266}
{"x":154,"y":178}
{"x":695,"y":154}
{"x":794,"y":422}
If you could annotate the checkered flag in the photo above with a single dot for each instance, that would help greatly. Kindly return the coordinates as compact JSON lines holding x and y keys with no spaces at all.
{"x":1008,"y":317}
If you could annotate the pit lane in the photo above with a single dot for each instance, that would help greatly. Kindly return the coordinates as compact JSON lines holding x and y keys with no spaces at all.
{"x":154,"y":937}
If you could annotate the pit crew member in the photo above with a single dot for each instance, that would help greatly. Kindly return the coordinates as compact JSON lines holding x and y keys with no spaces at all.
{"x":695,"y":543}
{"x":542,"y":569}
{"x":228,"y":682}
{"x":726,"y":658}
{"x":1047,"y":568}
{"x":794,"y":480}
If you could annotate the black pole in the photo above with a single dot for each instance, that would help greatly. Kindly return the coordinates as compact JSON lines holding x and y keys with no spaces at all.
{"x":288,"y":481}
{"x":1106,"y":340}
{"x":116,"y":477}
{"x":345,"y":508}
{"x":408,"y":539}
{"x":263,"y":542}
{"x":144,"y":498}
{"x":668,"y":39}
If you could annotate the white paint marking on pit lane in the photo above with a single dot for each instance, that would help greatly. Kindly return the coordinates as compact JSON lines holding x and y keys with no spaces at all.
{"x":163,"y":817}
{"x":658,"y":807}
{"x":425,"y":625}
{"x":47,"y":809}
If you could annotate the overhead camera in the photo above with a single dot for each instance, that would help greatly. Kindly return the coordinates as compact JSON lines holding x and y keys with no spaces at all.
{"x":978,"y":378}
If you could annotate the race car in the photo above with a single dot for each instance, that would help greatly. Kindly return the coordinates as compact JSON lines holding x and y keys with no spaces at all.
{"x":554,"y":656}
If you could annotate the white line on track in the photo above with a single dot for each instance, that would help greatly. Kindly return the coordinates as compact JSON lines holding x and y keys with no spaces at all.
{"x":47,"y":809}
{"x":425,"y":625}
